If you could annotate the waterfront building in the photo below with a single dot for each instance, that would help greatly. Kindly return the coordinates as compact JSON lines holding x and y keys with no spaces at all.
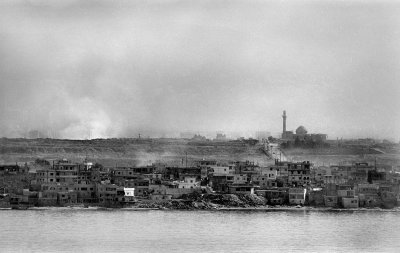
{"x":331,"y":201}
{"x":368,"y":194}
{"x":299,"y":173}
{"x":86,"y":191}
{"x":62,"y":172}
{"x":109,"y":194}
{"x":346,"y":197}
{"x":120,"y":174}
{"x":297,"y":196}
{"x":47,"y":198}
{"x":350,"y":202}
{"x":129,"y":194}
{"x":219,"y":183}
{"x":277,"y":196}
{"x":52,"y":194}
{"x":316,"y":197}
{"x":242,"y":188}
{"x":264,"y":181}
{"x":141,"y":186}
{"x":67,"y":198}
{"x":189,"y":182}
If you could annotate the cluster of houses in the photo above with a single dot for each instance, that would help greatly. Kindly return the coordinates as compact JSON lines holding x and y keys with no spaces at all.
{"x":281,"y":183}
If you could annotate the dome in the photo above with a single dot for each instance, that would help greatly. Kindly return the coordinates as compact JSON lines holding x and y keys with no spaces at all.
{"x":301,"y":130}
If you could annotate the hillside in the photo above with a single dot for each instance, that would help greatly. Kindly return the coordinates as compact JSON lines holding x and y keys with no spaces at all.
{"x":121,"y":152}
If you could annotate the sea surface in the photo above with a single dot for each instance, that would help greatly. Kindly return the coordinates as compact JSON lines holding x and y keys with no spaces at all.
{"x":112,"y":230}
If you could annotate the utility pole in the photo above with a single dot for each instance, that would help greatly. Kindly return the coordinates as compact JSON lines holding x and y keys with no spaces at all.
{"x":186,"y":158}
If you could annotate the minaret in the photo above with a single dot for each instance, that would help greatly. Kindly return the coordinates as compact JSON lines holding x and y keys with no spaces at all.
{"x":284,"y":124}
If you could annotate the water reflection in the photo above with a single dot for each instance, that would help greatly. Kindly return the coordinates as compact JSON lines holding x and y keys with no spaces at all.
{"x":87,"y":230}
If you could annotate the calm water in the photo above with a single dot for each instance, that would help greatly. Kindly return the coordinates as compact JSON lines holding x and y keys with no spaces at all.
{"x":86,"y":230}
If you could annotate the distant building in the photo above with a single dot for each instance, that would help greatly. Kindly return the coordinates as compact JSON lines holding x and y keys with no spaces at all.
{"x":220,"y":137}
{"x":262,"y":135}
{"x":301,"y":134}
{"x":198,"y":137}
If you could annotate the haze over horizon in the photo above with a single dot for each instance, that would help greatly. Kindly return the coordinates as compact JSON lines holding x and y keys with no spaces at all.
{"x":155,"y":67}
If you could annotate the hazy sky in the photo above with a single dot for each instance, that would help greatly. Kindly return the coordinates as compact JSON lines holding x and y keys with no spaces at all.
{"x":124,"y":67}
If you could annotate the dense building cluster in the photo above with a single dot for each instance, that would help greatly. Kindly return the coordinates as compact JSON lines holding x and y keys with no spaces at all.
{"x":282,"y":183}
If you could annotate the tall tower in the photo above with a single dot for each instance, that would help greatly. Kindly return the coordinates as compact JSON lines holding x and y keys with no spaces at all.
{"x":284,"y":124}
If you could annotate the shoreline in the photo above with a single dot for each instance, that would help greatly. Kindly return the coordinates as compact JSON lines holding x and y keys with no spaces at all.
{"x":223,"y":209}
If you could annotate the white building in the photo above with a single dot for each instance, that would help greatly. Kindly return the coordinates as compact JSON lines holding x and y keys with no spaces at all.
{"x":189,"y":182}
{"x":129,"y":192}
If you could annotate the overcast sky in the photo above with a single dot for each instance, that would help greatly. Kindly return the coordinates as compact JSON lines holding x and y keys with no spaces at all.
{"x":124,"y":67}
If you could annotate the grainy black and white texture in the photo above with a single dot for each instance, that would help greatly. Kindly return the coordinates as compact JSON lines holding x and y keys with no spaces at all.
{"x":90,"y":69}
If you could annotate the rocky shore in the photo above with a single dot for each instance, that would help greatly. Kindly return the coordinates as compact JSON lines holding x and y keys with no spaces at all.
{"x":206,"y":202}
